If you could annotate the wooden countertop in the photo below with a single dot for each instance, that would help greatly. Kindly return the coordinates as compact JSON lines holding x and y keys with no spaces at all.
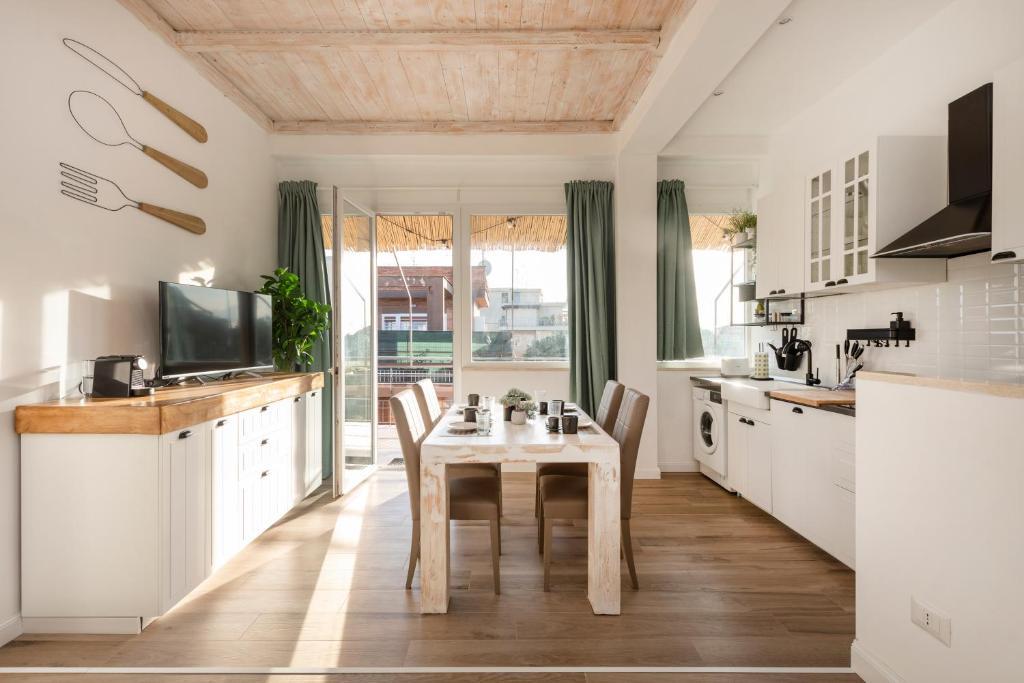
{"x":168,"y":409}
{"x":815,"y":398}
{"x":991,"y":388}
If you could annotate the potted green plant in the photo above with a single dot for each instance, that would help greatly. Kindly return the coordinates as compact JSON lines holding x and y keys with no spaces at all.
{"x":510,"y":401}
{"x":741,"y":226}
{"x":298,"y":322}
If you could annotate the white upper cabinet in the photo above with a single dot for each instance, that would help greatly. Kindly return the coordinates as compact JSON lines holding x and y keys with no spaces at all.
{"x":780,"y":262}
{"x":862,"y":201}
{"x":1007,"y":163}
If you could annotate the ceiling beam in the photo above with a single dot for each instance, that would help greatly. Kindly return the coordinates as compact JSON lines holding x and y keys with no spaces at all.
{"x":360,"y":127}
{"x":272,"y":41}
{"x":148,"y":16}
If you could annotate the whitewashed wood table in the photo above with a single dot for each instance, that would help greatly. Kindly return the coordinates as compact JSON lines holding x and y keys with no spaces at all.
{"x":529,"y":443}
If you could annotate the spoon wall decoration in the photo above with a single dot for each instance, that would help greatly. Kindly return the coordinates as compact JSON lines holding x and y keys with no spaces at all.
{"x":100,"y":121}
{"x":108,"y":67}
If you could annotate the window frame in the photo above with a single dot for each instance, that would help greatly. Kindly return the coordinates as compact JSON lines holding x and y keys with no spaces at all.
{"x":464,"y":255}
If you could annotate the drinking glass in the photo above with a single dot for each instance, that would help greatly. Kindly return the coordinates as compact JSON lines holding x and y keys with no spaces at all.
{"x":483,"y":422}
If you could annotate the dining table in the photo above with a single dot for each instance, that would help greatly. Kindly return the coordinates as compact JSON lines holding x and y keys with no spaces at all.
{"x":531,"y":442}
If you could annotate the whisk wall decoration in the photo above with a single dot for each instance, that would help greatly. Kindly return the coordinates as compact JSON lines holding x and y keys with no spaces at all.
{"x":103,"y":193}
{"x":98,"y":119}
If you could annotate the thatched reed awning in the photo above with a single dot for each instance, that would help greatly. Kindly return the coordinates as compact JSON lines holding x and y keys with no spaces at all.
{"x":489,"y":232}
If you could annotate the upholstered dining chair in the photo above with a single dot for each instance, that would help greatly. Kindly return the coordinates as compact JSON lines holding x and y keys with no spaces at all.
{"x":607,"y":411}
{"x":430,"y":406}
{"x":469,"y":498}
{"x":564,"y":497}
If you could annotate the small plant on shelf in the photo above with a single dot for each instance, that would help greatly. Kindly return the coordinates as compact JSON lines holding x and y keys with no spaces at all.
{"x":741,"y":226}
{"x":298,"y":322}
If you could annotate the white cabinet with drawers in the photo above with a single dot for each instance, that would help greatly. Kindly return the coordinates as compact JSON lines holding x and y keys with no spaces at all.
{"x":118,"y":527}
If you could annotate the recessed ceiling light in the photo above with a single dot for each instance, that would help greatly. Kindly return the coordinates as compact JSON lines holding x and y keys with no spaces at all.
{"x":716,"y":93}
{"x":784,"y":20}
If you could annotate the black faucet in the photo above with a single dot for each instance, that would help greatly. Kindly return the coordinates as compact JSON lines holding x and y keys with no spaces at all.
{"x":809,"y":378}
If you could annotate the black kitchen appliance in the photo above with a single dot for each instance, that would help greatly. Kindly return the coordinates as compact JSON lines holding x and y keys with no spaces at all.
{"x":119,"y":377}
{"x":965,"y":226}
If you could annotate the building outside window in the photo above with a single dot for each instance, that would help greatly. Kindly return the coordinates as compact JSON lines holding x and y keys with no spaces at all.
{"x":524,"y":316}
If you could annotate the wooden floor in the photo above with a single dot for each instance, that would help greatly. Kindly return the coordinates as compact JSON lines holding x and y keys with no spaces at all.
{"x":722,"y":584}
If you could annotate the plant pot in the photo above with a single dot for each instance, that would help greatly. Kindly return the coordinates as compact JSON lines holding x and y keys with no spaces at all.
{"x":518,"y":417}
{"x":750,"y":234}
{"x":508,"y":413}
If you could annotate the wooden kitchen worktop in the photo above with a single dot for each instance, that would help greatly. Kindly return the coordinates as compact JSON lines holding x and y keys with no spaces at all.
{"x":815,"y":398}
{"x":169,"y":409}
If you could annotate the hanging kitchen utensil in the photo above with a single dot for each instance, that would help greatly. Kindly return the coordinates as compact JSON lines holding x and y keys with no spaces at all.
{"x":108,"y":67}
{"x":99,"y":120}
{"x":785,"y":336}
{"x":98,"y":191}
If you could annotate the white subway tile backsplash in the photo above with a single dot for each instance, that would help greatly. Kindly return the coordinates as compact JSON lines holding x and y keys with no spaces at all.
{"x":971,"y":327}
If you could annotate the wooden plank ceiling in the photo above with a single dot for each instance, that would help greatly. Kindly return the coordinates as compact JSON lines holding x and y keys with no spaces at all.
{"x":316,"y":66}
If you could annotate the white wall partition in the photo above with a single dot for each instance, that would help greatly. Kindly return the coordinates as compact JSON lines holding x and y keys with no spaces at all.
{"x":76,"y":281}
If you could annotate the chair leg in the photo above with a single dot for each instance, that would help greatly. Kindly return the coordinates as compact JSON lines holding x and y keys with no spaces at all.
{"x":549,"y":528}
{"x":495,"y":562}
{"x":414,"y":553}
{"x":627,"y":547}
{"x":501,"y":511}
{"x":540,"y":531}
{"x":536,"y":497}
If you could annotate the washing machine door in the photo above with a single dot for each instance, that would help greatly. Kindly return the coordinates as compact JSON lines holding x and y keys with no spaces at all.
{"x":706,"y":429}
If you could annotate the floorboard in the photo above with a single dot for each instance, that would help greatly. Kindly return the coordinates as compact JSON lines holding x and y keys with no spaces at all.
{"x":722,"y":584}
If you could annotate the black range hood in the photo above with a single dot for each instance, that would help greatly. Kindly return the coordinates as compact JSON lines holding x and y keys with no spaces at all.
{"x":965,"y":226}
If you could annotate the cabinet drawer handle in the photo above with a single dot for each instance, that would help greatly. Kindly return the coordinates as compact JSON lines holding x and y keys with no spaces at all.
{"x":781,"y":291}
{"x":264,"y":409}
{"x":264,"y":473}
{"x":830,"y":283}
{"x":798,"y":411}
{"x":1002,"y":255}
{"x":772,"y":293}
{"x":298,"y":399}
{"x":221,"y":423}
{"x":842,"y":281}
{"x":313,"y":394}
{"x":264,"y":442}
{"x":185,"y":434}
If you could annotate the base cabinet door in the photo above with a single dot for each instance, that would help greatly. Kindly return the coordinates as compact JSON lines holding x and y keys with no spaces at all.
{"x":300,"y":447}
{"x":759,"y":464}
{"x":226,"y":507}
{"x":185,"y":486}
{"x":314,"y":439}
{"x":736,"y":438}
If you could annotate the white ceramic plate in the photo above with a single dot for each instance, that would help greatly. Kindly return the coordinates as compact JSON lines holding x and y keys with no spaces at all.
{"x":462,"y":427}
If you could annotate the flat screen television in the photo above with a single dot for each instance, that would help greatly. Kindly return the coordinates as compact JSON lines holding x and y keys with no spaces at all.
{"x":205,"y":331}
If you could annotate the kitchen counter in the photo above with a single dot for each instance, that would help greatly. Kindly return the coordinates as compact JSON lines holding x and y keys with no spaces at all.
{"x":991,"y":388}
{"x":788,"y":390}
{"x":166,"y":410}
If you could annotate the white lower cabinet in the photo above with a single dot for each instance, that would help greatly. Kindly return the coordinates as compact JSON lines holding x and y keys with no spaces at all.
{"x":185,"y":473}
{"x":118,"y":528}
{"x":813,"y":474}
{"x":750,"y":455}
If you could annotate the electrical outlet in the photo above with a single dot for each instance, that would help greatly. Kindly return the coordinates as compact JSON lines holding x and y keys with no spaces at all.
{"x":931,"y":620}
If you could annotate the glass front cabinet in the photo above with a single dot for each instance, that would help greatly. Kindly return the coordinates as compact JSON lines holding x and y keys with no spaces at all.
{"x":864,"y":199}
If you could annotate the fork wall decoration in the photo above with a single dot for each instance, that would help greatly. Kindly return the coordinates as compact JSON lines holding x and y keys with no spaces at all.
{"x":98,"y":191}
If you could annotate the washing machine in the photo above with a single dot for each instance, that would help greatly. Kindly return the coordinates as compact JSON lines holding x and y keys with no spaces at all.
{"x":709,"y":430}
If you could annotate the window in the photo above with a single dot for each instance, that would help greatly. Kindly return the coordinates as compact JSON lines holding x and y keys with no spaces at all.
{"x":713,"y":264}
{"x":519,"y":286}
{"x":400,"y":321}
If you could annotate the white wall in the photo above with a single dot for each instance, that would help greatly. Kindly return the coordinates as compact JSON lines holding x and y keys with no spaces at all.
{"x":967,"y":328}
{"x":77,"y":281}
{"x":939,"y":519}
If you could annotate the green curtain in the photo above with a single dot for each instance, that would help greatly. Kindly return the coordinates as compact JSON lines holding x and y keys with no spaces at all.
{"x":300,"y":248}
{"x":591,"y":247}
{"x":678,"y":323}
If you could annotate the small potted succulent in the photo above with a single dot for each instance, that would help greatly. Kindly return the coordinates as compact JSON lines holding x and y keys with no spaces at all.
{"x":511,"y":401}
{"x":524,"y":410}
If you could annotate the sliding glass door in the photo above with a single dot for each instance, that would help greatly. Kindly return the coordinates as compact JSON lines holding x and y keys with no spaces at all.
{"x":353,"y":289}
